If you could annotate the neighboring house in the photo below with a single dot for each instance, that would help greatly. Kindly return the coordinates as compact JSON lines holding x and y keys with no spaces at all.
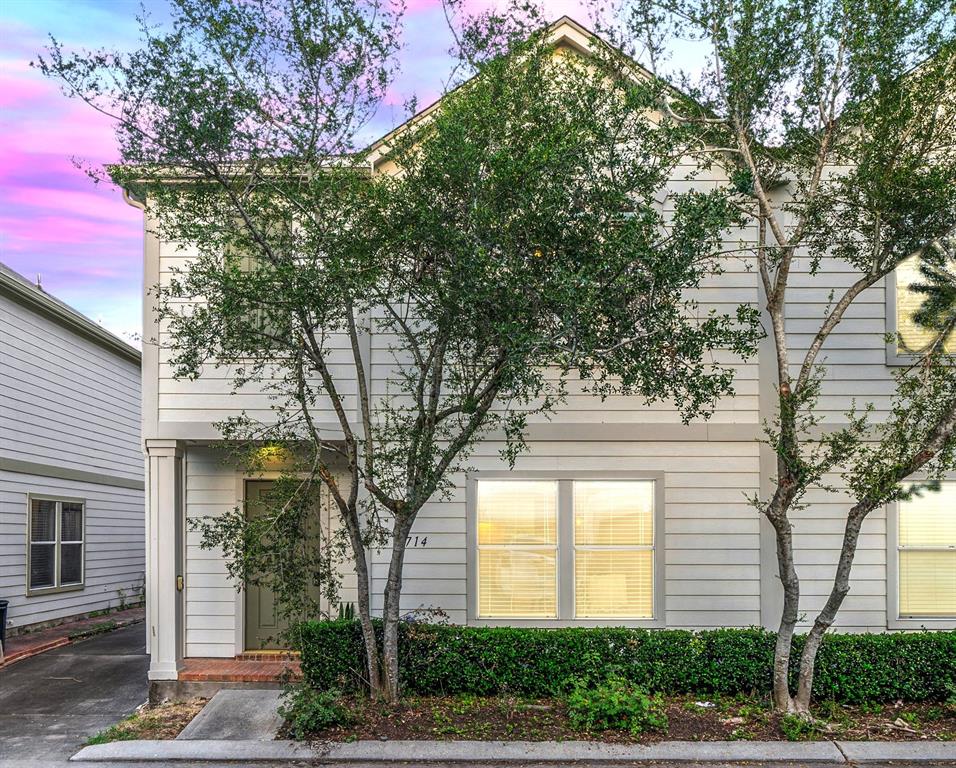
{"x":71,"y":463}
{"x":693,"y":553}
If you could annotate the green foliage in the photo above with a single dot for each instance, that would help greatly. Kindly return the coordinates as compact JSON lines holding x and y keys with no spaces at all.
{"x":484,"y":661}
{"x":307,"y":710}
{"x":797,"y":728}
{"x":510,"y":242}
{"x":615,"y":704}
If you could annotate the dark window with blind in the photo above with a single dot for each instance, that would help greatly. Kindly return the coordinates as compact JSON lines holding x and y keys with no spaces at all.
{"x":56,"y":544}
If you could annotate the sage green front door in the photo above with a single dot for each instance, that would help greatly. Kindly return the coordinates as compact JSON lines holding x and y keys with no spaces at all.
{"x":263,"y":622}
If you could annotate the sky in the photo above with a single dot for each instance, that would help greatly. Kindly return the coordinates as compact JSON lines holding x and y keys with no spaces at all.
{"x":81,"y":239}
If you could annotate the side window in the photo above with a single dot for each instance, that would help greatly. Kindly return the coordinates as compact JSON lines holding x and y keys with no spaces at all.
{"x":927,"y":554}
{"x":56,"y":545}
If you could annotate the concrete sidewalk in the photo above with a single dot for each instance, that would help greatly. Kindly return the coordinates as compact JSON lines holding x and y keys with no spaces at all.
{"x":550,"y":753}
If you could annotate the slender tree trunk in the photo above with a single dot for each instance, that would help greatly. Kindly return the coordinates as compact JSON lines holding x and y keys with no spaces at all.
{"x":826,"y":617}
{"x":782,"y":701}
{"x":368,"y":629}
{"x":391,"y":613}
{"x":351,"y":519}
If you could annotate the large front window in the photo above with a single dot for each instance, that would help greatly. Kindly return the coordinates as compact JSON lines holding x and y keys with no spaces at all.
{"x":602,"y":531}
{"x":927,"y":554}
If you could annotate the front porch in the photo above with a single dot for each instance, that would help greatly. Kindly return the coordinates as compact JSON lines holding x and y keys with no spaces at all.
{"x":283,"y":667}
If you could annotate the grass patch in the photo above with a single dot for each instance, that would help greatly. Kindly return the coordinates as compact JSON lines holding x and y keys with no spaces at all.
{"x":99,"y":628}
{"x":162,"y":721}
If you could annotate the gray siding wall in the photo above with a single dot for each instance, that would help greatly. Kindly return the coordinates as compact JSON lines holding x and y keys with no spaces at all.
{"x":69,"y":405}
{"x":115,"y":547}
{"x":65,"y":400}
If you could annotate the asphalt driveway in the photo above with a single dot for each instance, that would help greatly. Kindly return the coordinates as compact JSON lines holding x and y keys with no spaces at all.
{"x":50,"y":704}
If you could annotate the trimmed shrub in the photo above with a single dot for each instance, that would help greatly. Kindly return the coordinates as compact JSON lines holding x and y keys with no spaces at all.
{"x":449,"y":659}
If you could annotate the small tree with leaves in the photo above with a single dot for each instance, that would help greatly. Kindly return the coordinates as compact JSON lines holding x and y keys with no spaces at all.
{"x":518,"y":242}
{"x":837,"y":126}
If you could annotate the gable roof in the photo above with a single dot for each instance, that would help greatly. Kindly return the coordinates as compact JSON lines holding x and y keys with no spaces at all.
{"x":564,"y":32}
{"x":19,"y":289}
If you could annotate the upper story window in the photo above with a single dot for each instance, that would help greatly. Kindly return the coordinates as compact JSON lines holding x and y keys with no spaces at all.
{"x":565,"y":549}
{"x":55,"y":549}
{"x":912,"y":338}
{"x":927,"y":554}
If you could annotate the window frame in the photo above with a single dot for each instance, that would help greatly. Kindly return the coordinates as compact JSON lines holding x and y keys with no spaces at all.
{"x":893,"y":618}
{"x":57,"y":586}
{"x":894,"y":358}
{"x":565,"y":571}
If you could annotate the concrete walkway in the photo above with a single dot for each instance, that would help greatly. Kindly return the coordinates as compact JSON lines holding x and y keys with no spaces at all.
{"x":236,"y":715}
{"x":50,"y":704}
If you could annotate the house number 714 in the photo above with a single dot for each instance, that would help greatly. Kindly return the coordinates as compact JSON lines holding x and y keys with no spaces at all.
{"x":416,"y":541}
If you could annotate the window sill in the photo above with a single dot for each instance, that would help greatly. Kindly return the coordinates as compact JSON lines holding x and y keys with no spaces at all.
{"x":934,"y":622}
{"x":40,"y":591}
{"x":564,"y":623}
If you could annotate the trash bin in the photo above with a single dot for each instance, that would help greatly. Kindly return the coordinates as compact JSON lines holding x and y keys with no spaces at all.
{"x":3,"y":622}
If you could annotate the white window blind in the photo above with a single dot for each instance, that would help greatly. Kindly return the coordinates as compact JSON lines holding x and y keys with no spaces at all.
{"x":614,"y":549}
{"x":602,"y":531}
{"x":912,"y":337}
{"x":927,"y":553}
{"x":517,"y":549}
{"x":56,"y":544}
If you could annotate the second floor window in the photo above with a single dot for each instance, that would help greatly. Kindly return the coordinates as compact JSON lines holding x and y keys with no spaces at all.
{"x":912,"y":337}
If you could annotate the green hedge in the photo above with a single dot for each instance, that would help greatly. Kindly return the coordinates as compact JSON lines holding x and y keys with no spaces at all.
{"x":441,"y":659}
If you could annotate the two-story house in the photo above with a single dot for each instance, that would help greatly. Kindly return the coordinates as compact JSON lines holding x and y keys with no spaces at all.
{"x":695,"y":553}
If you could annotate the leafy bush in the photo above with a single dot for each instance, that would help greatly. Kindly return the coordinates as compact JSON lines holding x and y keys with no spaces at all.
{"x":308,"y":710}
{"x":485,"y":661}
{"x":615,"y":704}
{"x":797,"y":728}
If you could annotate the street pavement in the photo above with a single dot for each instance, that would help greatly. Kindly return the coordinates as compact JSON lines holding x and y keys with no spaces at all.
{"x":52,"y":703}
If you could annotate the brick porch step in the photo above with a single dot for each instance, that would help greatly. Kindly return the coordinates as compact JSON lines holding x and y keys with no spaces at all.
{"x":269,"y":656}
{"x":239,"y":670}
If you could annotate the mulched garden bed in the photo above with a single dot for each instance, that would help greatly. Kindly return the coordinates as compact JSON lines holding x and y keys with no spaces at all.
{"x":739,"y":718}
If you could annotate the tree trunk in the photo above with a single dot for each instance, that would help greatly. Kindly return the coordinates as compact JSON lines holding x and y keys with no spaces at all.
{"x":350,"y":516}
{"x":826,"y":617}
{"x":782,"y":701}
{"x":391,"y":613}
{"x":368,"y":629}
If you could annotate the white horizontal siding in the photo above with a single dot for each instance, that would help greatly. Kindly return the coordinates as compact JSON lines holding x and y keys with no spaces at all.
{"x":64,"y":400}
{"x":114,"y":548}
{"x":710,"y":544}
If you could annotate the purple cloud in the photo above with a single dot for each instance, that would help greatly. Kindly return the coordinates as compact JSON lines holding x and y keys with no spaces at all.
{"x":82,"y":238}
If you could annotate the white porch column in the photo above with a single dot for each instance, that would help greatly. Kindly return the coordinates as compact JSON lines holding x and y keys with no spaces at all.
{"x":164,"y":597}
